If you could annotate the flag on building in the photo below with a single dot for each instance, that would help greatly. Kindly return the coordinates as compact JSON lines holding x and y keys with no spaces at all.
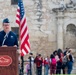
{"x":24,"y":35}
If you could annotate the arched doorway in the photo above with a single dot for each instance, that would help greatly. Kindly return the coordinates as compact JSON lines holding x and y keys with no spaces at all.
{"x":70,"y":36}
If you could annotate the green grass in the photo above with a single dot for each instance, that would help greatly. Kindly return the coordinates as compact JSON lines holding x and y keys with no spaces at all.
{"x":65,"y":74}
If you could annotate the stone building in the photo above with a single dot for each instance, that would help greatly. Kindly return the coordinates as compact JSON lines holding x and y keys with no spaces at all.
{"x":51,"y":23}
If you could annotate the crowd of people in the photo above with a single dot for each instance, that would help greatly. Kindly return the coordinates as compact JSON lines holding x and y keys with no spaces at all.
{"x":58,"y":62}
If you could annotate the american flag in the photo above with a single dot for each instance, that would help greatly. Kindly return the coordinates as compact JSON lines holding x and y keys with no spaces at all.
{"x":24,"y":35}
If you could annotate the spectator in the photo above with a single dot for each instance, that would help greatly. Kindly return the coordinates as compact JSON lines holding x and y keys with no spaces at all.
{"x":53,"y":65}
{"x":38,"y":61}
{"x":46,"y":65}
{"x":70,"y":61}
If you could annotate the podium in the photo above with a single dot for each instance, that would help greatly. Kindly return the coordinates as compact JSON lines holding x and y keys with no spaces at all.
{"x":8,"y":61}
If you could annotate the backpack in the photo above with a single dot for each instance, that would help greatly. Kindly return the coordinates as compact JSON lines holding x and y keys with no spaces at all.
{"x":64,"y":59}
{"x":53,"y":62}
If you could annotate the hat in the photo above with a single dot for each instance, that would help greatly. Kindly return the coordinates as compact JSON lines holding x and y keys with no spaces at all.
{"x":6,"y":20}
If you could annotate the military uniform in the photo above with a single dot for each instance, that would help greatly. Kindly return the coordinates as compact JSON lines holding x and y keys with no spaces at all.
{"x":9,"y":40}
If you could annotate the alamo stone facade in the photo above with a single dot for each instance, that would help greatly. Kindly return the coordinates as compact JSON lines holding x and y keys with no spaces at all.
{"x":51,"y":23}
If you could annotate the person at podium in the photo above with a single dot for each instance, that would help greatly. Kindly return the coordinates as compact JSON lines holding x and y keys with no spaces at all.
{"x":7,"y":37}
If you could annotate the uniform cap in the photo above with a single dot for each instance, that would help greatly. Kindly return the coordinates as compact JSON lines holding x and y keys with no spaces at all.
{"x":6,"y":20}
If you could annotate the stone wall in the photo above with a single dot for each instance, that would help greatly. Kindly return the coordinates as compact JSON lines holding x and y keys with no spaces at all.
{"x":47,"y":28}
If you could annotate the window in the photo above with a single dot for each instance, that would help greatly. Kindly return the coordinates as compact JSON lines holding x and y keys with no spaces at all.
{"x":16,"y":30}
{"x":13,"y":2}
{"x":71,"y":28}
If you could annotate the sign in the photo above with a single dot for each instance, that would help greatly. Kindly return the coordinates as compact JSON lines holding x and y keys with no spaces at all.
{"x":5,"y":60}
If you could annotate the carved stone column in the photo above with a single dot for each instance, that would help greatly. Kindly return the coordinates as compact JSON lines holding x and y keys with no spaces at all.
{"x":60,"y":21}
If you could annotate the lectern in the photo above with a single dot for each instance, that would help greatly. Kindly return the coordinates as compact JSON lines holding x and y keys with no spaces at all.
{"x":8,"y":61}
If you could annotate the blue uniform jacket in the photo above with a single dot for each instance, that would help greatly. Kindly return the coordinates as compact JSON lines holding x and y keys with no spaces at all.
{"x":11,"y":40}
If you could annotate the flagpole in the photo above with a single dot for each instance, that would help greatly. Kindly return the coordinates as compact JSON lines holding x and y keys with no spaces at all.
{"x":23,"y":31}
{"x":22,"y":65}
